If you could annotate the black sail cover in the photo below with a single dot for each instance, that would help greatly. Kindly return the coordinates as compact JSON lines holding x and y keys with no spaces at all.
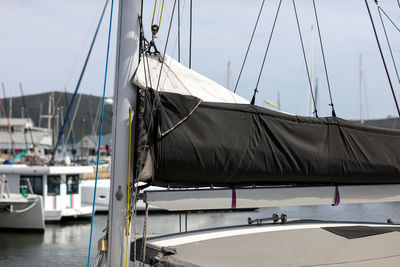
{"x":202,"y":143}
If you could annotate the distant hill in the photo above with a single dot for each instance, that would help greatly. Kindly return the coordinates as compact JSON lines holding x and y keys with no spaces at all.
{"x":390,"y":123}
{"x":87,"y":110}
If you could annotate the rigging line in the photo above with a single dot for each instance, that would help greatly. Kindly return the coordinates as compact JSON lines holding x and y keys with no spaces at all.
{"x":128,"y":208}
{"x":101,"y":128}
{"x":8,"y":119}
{"x":26,"y":111}
{"x":143,"y":49}
{"x":78,"y":85}
{"x":248,"y":47}
{"x":388,"y":42}
{"x":179,"y":31}
{"x":160,"y":16}
{"x":383,"y":58}
{"x":305,"y":59}
{"x":66,"y":105}
{"x":387,"y":16}
{"x":156,"y":99}
{"x":191,"y":30}
{"x":324,"y":60}
{"x":266,"y":52}
{"x":166,"y":45}
{"x":28,"y":115}
{"x":148,"y":70}
{"x":154,"y":12}
{"x":73,"y":117}
{"x":162,"y":9}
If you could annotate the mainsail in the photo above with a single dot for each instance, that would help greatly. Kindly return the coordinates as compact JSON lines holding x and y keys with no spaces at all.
{"x":188,"y":141}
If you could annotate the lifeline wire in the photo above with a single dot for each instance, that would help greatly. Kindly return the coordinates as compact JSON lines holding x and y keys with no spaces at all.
{"x":100,"y":131}
{"x":383,"y":58}
{"x":305,"y":59}
{"x":265,"y":55}
{"x":248,"y":47}
{"x":323,"y":57}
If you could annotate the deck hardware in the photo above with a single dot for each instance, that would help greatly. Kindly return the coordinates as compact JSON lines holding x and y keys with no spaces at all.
{"x":283,"y":218}
{"x":119,"y":194}
{"x":102,"y":245}
{"x":391,"y":221}
{"x":274,"y":219}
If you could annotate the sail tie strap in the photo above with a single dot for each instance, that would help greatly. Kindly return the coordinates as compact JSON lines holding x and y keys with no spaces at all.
{"x":233,"y":205}
{"x":337,"y":197}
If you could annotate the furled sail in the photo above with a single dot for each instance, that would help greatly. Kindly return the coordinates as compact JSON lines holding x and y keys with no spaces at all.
{"x":176,"y":78}
{"x":187,"y":141}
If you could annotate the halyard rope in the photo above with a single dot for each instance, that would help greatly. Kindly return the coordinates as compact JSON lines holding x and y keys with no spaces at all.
{"x":100,"y":132}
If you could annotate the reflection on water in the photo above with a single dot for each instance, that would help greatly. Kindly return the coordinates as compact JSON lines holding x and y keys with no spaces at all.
{"x":66,"y":244}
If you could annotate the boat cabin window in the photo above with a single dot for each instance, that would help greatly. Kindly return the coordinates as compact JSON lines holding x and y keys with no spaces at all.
{"x":30,"y":183}
{"x":72,"y":184}
{"x":53,"y":185}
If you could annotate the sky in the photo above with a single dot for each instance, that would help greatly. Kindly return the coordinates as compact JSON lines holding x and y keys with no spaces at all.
{"x":44,"y":44}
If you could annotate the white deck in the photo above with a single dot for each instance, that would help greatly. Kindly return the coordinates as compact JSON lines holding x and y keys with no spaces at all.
{"x":292,"y":244}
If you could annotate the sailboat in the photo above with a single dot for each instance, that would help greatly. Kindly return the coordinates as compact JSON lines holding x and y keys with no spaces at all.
{"x":232,"y":154}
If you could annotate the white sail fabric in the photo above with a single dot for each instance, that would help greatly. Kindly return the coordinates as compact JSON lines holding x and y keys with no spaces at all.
{"x":176,"y":78}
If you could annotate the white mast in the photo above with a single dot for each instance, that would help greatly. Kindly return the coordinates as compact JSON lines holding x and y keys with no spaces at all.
{"x":124,"y":97}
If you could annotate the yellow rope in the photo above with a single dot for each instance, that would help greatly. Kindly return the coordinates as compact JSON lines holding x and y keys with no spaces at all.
{"x":128,"y":188}
{"x":154,"y":12}
{"x":159,"y":22}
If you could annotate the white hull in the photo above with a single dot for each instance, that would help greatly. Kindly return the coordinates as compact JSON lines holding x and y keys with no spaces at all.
{"x":103,"y":195}
{"x":22,"y":213}
{"x":61,"y":196}
{"x":245,"y":198}
{"x":57,"y":215}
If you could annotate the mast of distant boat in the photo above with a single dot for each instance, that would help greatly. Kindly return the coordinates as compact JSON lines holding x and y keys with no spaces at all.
{"x":361,"y":85}
{"x":311,"y":71}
